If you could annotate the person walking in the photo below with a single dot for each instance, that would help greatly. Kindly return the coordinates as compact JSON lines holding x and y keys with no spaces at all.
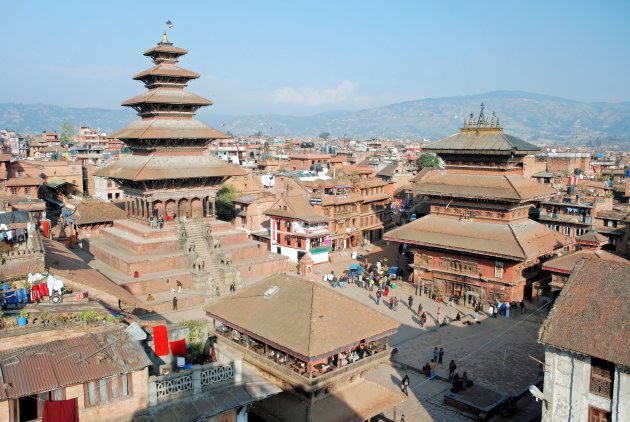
{"x":404,"y":384}
{"x":490,"y":311}
{"x":179,"y":285}
{"x":440,"y":355}
{"x":451,"y":370}
{"x":419,"y":308}
{"x":174,"y":303}
{"x":410,"y":301}
{"x":507,"y":309}
{"x":436,"y":353}
{"x":423,"y":319}
{"x":438,"y":316}
{"x":432,"y":366}
{"x":522,"y":304}
{"x":378,"y":297}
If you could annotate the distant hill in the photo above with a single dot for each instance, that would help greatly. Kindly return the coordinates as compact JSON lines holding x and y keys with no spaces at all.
{"x":533,"y":117}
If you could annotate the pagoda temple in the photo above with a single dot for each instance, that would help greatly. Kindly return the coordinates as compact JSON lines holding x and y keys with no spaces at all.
{"x":170,"y":172}
{"x":477,"y":243}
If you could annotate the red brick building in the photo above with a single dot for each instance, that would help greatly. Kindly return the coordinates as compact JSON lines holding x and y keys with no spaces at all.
{"x":477,"y":242}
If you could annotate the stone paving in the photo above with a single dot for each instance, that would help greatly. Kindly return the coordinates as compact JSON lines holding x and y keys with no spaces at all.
{"x":495,"y":353}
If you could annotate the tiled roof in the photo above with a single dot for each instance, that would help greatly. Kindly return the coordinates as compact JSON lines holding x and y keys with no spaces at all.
{"x":566,"y":263}
{"x":24,"y":181}
{"x":297,"y":207}
{"x":44,"y":367}
{"x":159,"y":167}
{"x":168,"y":129}
{"x":167,"y":69}
{"x":96,"y":212}
{"x":388,"y":170}
{"x":303,"y":317}
{"x":519,"y":241}
{"x":168,"y":96}
{"x":480,"y":142}
{"x":513,"y":188}
{"x":590,"y":316}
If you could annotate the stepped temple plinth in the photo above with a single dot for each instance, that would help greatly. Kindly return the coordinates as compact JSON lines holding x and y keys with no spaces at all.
{"x":171,"y":175}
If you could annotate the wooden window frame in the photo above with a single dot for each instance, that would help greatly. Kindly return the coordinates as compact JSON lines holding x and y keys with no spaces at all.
{"x":604,"y":371}
{"x":595,"y":414}
{"x":108,"y":383}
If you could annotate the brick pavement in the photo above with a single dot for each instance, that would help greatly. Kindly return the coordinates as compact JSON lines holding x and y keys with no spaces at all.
{"x":495,"y":353}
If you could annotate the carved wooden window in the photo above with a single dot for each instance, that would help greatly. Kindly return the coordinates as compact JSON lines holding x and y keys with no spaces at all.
{"x":498,"y":269}
{"x":602,"y":377}
{"x":598,"y":415}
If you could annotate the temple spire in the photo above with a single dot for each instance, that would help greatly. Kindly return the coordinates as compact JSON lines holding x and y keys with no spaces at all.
{"x":165,"y":40}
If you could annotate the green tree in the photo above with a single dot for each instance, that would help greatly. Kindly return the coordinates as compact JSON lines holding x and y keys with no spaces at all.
{"x":427,"y":160}
{"x":324,"y":135}
{"x":225,"y":202}
{"x":66,"y":132}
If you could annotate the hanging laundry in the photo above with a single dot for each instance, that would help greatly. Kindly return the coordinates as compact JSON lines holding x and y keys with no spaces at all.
{"x":160,"y":340}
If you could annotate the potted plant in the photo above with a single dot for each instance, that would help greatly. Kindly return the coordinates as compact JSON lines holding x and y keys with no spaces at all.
{"x":22,"y":318}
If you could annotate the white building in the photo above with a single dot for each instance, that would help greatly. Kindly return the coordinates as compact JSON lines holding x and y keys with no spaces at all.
{"x":587,"y":346}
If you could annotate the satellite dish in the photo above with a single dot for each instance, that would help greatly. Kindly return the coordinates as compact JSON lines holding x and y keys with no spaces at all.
{"x":537,"y":393}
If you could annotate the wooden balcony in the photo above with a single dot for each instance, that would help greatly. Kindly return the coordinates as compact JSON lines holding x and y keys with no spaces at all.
{"x":295,"y":375}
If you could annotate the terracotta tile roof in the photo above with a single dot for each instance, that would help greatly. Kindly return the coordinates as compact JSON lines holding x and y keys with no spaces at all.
{"x":565,"y":263}
{"x":519,"y":241}
{"x":150,"y":167}
{"x":165,"y":48}
{"x":484,"y":186}
{"x":309,"y":156}
{"x":167,"y":96}
{"x":297,"y":207}
{"x":372,"y":183}
{"x":305,"y":318}
{"x":24,"y":181}
{"x":5,"y":157}
{"x":44,"y":367}
{"x":96,"y":212}
{"x":479,"y":142}
{"x":158,"y":128}
{"x":354,"y":402}
{"x":388,"y":170}
{"x":167,"y":69}
{"x":590,"y":316}
{"x":426,"y":172}
{"x":593,"y":237}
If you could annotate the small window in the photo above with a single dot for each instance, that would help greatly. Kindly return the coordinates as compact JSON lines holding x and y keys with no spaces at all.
{"x":14,"y":191}
{"x":602,"y":377}
{"x":598,"y":415}
{"x":498,"y":269}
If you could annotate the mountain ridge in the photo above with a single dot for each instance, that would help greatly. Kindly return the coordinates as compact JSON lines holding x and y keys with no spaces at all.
{"x":534,"y":117}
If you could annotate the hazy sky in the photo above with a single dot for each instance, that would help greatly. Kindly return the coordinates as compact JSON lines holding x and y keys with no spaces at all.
{"x":306,"y":57}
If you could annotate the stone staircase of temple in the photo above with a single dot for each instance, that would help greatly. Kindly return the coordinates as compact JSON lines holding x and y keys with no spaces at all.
{"x":205,"y":258}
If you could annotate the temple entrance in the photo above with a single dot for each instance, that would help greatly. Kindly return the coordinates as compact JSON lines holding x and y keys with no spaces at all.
{"x":183,"y":208}
{"x":158,"y":209}
{"x":196,"y":208}
{"x":171,"y":208}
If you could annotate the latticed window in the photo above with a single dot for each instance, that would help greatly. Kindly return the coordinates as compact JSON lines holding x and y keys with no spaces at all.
{"x":602,"y":377}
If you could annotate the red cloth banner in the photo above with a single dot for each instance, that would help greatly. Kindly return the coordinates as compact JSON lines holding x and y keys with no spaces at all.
{"x":178,"y":348}
{"x":160,"y":340}
{"x":61,"y":411}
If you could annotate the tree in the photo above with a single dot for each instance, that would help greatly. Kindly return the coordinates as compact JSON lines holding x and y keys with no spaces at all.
{"x":427,"y":160}
{"x":324,"y":135}
{"x":66,"y":132}
{"x":225,"y":202}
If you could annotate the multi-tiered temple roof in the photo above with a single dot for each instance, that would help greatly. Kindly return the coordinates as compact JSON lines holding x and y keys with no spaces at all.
{"x":170,"y":161}
{"x":167,"y":127}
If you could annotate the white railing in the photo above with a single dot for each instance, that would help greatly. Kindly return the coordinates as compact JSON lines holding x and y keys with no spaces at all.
{"x":173,"y":386}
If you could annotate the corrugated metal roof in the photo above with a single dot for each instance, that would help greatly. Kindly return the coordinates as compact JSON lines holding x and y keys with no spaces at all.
{"x":60,"y":363}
